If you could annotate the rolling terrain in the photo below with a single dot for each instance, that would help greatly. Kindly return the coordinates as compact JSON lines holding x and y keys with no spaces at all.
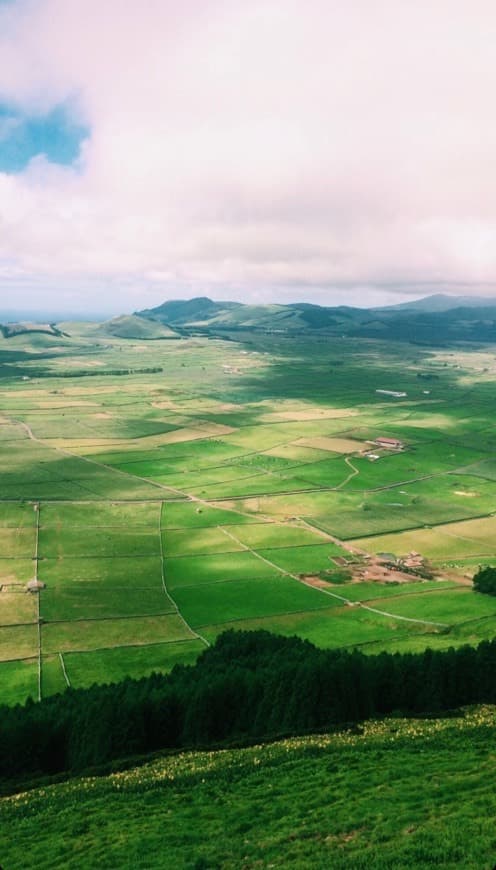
{"x":431,"y":321}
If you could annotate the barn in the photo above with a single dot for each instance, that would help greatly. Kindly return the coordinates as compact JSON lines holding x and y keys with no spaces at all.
{"x":389,"y":443}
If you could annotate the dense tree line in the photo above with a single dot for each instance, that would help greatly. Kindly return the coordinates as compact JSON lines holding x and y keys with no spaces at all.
{"x":249,"y":686}
{"x":93,"y":373}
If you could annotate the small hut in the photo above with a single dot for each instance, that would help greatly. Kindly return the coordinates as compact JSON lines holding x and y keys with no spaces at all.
{"x":34,"y":585}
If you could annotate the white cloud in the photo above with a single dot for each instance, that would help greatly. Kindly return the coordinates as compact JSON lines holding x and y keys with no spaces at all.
{"x":278,"y":147}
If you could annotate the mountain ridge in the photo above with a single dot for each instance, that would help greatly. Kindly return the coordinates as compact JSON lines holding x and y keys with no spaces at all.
{"x":431,"y":320}
{"x":440,"y":302}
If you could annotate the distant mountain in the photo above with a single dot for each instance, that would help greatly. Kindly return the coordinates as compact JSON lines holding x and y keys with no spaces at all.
{"x":135,"y":326}
{"x":432,"y":321}
{"x":205,"y":314}
{"x":181,"y":311}
{"x":442,"y":302}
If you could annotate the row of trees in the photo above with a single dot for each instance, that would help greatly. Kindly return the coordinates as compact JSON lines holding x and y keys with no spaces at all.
{"x":94,"y":373}
{"x":250,"y":686}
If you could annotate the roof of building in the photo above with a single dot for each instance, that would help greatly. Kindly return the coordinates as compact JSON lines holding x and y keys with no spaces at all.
{"x":35,"y":584}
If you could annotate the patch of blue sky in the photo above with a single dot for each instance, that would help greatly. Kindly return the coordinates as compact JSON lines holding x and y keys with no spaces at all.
{"x":56,"y":136}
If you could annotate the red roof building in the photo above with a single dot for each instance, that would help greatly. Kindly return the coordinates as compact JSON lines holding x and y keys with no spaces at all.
{"x":391,"y":443}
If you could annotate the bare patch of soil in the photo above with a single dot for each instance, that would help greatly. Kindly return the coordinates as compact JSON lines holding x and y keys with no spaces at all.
{"x":315,"y":580}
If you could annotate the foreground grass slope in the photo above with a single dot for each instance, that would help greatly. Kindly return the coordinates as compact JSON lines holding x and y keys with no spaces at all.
{"x":399,"y":793}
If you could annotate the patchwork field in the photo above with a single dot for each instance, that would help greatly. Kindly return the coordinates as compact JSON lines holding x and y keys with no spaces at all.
{"x":164,"y":491}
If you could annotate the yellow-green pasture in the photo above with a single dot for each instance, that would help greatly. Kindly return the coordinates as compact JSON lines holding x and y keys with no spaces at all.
{"x":445,"y":545}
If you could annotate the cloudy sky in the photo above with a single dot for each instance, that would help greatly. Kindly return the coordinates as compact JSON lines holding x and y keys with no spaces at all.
{"x":279,"y":150}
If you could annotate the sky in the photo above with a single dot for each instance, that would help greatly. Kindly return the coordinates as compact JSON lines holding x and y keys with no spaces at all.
{"x":270,"y":150}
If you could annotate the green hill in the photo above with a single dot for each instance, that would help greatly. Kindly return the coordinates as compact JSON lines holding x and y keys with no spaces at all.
{"x":393,"y":794}
{"x":134,"y":326}
{"x":430,"y":321}
{"x":203,"y":313}
{"x":441,"y":302}
{"x":183,"y":311}
{"x":11,"y":330}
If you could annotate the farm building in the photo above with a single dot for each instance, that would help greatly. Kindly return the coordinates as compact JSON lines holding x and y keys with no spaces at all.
{"x":34,"y":585}
{"x":413,"y":560}
{"x":389,"y":443}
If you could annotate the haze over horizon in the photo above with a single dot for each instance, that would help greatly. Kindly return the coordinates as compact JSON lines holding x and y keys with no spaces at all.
{"x":271,"y":151}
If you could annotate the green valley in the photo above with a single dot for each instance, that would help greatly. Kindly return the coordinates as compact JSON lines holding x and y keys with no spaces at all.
{"x":162,"y":486}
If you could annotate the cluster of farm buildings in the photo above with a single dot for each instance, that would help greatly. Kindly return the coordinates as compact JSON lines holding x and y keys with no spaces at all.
{"x":385,"y":444}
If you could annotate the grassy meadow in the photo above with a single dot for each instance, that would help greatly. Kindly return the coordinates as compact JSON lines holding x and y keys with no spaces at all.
{"x":165,"y":490}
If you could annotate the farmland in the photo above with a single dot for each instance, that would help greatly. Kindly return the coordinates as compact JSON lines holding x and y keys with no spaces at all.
{"x":164,"y":490}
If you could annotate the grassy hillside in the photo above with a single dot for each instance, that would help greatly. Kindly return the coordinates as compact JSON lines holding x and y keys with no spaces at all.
{"x":203,"y":313}
{"x":132,"y":326}
{"x":431,"y":321}
{"x":400,"y":793}
{"x":10,"y":330}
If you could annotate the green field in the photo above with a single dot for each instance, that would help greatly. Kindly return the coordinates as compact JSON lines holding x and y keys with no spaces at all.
{"x":161,"y":508}
{"x":470,"y":539}
{"x":360,"y":800}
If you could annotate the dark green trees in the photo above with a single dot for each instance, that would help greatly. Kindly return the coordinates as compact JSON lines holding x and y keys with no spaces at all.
{"x":247,"y":687}
{"x":485,"y":580}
